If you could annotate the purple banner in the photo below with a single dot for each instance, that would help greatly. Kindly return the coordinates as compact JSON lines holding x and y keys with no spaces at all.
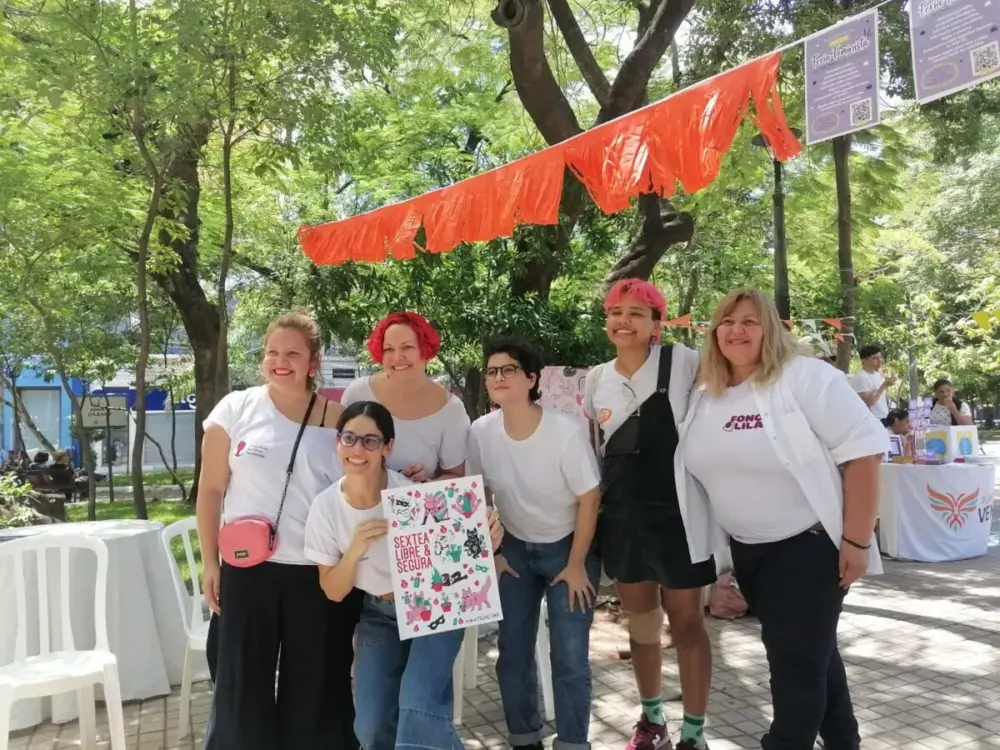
{"x":842,"y":78}
{"x":955,"y":45}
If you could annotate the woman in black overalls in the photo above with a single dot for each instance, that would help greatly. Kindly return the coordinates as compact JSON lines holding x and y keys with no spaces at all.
{"x":640,"y":533}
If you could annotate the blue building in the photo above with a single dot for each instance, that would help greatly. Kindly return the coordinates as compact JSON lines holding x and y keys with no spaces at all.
{"x":46,"y":402}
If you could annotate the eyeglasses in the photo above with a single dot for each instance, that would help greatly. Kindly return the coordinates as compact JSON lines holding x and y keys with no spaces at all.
{"x":505,"y":370}
{"x":368,"y":442}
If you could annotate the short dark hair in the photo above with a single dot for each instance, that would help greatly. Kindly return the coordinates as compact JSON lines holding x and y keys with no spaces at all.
{"x":374,"y":411}
{"x":521,"y":352}
{"x":942,"y":381}
{"x":869,"y":351}
{"x":896,"y":415}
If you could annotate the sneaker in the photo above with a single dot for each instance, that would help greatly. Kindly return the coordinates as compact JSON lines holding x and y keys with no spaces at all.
{"x":689,"y":745}
{"x":649,"y":736}
{"x":533,"y":746}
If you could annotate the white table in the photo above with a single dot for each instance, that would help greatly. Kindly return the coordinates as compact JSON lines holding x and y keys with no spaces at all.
{"x":936,"y":513}
{"x":145,"y":630}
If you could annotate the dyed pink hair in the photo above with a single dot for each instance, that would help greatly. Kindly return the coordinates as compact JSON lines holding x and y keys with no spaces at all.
{"x":642,"y":292}
{"x":428,"y":339}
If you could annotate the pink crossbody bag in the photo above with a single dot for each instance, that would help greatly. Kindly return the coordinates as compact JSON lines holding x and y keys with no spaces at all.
{"x":251,"y":540}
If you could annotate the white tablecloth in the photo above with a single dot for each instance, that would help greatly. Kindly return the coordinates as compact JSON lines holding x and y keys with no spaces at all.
{"x":936,"y":513}
{"x":145,"y":630}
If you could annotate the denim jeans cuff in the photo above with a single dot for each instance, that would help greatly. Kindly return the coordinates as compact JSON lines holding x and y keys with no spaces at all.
{"x":526,"y":738}
{"x":560,"y":745}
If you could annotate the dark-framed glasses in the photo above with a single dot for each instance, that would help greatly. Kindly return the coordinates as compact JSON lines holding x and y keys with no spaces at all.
{"x":505,"y":370}
{"x":369,"y":442}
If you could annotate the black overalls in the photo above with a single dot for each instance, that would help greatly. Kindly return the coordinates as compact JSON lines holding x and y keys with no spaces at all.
{"x":640,"y":533}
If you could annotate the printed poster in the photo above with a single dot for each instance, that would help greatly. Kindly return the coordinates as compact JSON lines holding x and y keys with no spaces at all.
{"x":954,"y":45}
{"x":443,"y":574}
{"x":842,"y":77}
{"x":562,"y":390}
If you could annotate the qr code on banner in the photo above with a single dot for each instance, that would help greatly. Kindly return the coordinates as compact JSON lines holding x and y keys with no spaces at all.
{"x":861,"y":112}
{"x":985,"y":59}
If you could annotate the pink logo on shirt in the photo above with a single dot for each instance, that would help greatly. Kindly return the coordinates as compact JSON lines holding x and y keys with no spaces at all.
{"x":243,"y":448}
{"x":240,"y":447}
{"x":744,"y":422}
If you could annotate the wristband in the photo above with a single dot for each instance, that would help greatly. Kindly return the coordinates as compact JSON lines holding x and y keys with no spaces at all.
{"x":856,"y":545}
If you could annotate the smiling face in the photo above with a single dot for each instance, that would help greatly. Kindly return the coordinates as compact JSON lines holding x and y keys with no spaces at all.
{"x":740,"y":335}
{"x":506,"y":381}
{"x":631,"y":324}
{"x":401,"y":352}
{"x":361,"y":447}
{"x":287,"y":359}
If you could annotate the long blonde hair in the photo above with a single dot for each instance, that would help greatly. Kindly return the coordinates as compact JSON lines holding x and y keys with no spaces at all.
{"x":777,"y":348}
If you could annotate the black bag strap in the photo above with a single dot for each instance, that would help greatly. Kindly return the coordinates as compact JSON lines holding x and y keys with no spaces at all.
{"x":288,"y":472}
{"x":666,"y":363}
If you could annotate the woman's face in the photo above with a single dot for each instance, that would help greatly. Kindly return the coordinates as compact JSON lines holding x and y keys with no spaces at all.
{"x":505,"y":380}
{"x":361,"y":448}
{"x":740,"y":335}
{"x":901,"y":426}
{"x":401,"y":352}
{"x":945,"y":392}
{"x":630,"y":323}
{"x":287,"y":359}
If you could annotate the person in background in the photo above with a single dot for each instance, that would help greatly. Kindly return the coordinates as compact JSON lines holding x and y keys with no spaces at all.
{"x":403,"y":689}
{"x":636,"y":402}
{"x":431,"y":424}
{"x":272,"y":619}
{"x":946,"y":409}
{"x":539,"y":467}
{"x":870,"y":384}
{"x":785,"y":460}
{"x":898,"y":422}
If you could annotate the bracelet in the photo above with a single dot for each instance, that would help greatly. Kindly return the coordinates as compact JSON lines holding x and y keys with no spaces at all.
{"x":856,"y":545}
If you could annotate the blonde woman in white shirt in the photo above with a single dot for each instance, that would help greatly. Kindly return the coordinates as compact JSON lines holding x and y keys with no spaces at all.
{"x":543,"y":476}
{"x":272,"y":617}
{"x":784,"y":459}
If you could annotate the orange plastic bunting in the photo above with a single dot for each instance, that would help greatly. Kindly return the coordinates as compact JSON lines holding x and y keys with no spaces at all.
{"x":679,"y":139}
{"x":835,"y":322}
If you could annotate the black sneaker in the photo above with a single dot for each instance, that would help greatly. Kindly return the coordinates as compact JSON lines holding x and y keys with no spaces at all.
{"x":689,"y":744}
{"x":533,"y":746}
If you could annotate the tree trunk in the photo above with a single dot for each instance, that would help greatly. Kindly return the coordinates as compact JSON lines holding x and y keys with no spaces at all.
{"x":841,"y":156}
{"x":21,"y":415}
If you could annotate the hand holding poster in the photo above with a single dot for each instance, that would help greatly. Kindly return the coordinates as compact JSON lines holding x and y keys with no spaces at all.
{"x":443,"y":574}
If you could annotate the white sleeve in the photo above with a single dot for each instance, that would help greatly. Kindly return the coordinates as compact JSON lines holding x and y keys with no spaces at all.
{"x":320,"y":541}
{"x":841,"y":421}
{"x":690,"y":362}
{"x":578,"y":463}
{"x":473,"y":458}
{"x":589,"y":389}
{"x":227,"y":412}
{"x":353,"y":392}
{"x":455,"y":441}
{"x":964,"y":409}
{"x":859,"y":382}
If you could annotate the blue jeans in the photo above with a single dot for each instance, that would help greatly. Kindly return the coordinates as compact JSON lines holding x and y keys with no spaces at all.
{"x":569,"y":634}
{"x":403,"y":692}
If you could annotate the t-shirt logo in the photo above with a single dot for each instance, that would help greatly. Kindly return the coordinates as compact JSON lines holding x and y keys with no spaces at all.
{"x":240,"y":447}
{"x":603,"y":416}
{"x":744,"y":422}
{"x":243,"y":448}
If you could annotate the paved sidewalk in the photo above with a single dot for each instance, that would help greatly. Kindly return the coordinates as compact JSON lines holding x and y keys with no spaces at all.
{"x":921,"y":643}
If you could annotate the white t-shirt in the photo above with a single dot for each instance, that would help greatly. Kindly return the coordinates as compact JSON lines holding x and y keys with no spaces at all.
{"x":536,"y":481}
{"x":614,"y":397}
{"x":753,"y":496}
{"x":941,"y":415}
{"x":330,"y":529}
{"x":261,"y":441}
{"x":438,"y":441}
{"x":865,"y":382}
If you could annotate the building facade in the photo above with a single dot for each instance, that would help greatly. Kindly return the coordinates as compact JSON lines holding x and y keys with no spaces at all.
{"x":43,"y":397}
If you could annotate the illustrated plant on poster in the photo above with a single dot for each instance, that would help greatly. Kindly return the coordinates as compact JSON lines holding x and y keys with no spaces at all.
{"x":443,"y":574}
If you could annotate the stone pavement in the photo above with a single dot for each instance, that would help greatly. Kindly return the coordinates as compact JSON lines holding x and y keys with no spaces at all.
{"x":921,"y":644}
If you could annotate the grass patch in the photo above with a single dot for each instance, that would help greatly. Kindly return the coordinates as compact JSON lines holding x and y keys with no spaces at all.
{"x":152,"y":478}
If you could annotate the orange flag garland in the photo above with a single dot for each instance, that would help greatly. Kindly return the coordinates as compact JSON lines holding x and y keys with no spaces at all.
{"x":679,"y":139}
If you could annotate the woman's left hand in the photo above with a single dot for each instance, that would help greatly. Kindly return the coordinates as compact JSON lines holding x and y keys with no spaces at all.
{"x":416,"y":473}
{"x":853,"y":564}
{"x":496,"y":528}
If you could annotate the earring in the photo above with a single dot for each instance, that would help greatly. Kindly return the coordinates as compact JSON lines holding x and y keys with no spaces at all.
{"x":312,"y":373}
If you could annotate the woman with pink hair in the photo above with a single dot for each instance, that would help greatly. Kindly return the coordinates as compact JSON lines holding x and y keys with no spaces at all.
{"x":636,"y":403}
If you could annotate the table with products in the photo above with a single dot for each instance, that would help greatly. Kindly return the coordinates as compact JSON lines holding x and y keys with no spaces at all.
{"x":145,"y":630}
{"x":936,"y":512}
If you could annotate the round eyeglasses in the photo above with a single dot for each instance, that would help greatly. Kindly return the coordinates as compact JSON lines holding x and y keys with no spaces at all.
{"x":368,"y":442}
{"x":506,"y":371}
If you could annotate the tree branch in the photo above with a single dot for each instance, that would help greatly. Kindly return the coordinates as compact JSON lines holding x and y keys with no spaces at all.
{"x":582,"y":54}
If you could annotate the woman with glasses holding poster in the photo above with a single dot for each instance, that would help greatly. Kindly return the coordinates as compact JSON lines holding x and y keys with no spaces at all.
{"x":403,"y":689}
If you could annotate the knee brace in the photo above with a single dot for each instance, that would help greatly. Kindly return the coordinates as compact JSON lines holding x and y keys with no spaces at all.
{"x":646,"y":628}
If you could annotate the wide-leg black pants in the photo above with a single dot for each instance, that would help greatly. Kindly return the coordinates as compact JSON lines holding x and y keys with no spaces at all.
{"x":276,"y":619}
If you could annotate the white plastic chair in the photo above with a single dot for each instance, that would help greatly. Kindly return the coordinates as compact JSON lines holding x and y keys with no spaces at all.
{"x":464,"y":673}
{"x":59,"y":667}
{"x":195,"y":624}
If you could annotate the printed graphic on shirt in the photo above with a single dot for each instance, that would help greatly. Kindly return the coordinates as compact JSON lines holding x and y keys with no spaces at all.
{"x":243,"y":448}
{"x":744,"y":422}
{"x":603,"y":416}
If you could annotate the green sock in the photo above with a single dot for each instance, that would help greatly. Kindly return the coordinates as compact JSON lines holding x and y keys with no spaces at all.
{"x":693,"y":728}
{"x":652,"y":709}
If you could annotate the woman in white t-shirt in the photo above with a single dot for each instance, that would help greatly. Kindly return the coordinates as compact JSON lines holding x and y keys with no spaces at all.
{"x":277,"y":606}
{"x":403,"y":689}
{"x":432,"y":426}
{"x":767,"y":435}
{"x":948,"y":410}
{"x":539,"y":467}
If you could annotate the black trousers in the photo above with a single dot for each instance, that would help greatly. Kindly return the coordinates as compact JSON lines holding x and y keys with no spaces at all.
{"x":275,"y":618}
{"x":793,"y":588}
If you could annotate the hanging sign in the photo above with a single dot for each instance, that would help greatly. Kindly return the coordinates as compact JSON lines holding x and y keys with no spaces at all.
{"x":842,"y":77}
{"x":954,"y":45}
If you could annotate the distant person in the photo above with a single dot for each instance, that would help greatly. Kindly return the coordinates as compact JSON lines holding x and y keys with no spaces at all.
{"x":946,"y":409}
{"x":898,"y":422}
{"x":40,"y":460}
{"x":870,"y":384}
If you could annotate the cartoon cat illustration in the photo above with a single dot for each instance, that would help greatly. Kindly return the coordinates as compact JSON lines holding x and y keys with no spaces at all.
{"x":417,"y":610}
{"x":474,"y":543}
{"x":404,"y":510}
{"x":436,"y":506}
{"x":476,"y":600}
